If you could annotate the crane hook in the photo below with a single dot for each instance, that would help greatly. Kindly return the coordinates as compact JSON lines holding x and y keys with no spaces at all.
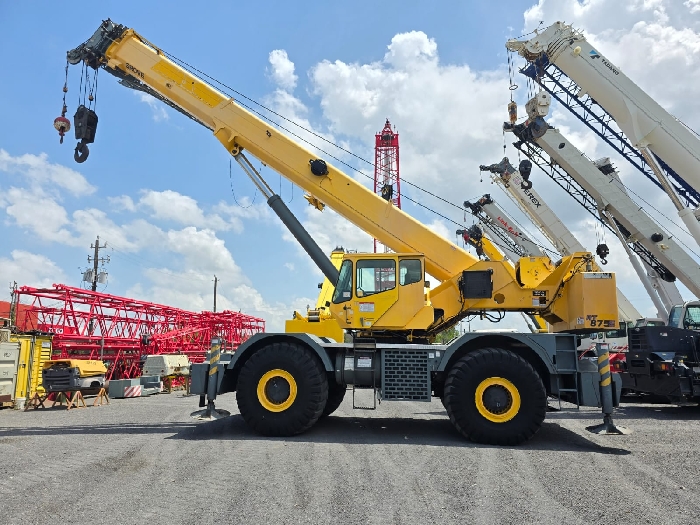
{"x":602,"y":251}
{"x":81,"y":152}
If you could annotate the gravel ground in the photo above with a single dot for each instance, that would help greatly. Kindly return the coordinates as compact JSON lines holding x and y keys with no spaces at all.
{"x":146,"y":461}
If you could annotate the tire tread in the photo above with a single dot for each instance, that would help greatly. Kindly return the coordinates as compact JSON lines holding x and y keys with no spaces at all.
{"x":531,"y":385}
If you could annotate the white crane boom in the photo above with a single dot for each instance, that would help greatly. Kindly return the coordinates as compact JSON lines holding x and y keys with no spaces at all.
{"x":638,"y":115}
{"x":490,"y":213}
{"x":611,"y":197}
{"x":539,"y":212}
{"x":544,"y":218}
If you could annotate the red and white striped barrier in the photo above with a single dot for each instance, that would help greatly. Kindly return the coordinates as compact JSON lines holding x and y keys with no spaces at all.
{"x":132,"y":391}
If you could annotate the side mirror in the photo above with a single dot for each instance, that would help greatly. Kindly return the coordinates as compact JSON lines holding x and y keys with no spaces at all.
{"x":328,"y":303}
{"x":427,"y":284}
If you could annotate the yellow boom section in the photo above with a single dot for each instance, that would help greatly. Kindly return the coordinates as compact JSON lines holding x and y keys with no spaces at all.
{"x":569,"y":296}
{"x":236,"y":128}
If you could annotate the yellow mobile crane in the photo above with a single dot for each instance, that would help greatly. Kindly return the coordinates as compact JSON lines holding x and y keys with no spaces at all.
{"x":494,"y":385}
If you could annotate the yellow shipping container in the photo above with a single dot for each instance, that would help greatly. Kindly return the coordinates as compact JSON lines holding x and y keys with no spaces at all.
{"x":34,"y":351}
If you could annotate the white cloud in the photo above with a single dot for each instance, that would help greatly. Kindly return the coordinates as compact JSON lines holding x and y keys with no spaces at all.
{"x":439,"y":227}
{"x":30,"y":269}
{"x":330,"y":231}
{"x":195,"y":252}
{"x":38,"y":213}
{"x":122,"y":203}
{"x":692,"y":5}
{"x":40,"y":172}
{"x":449,"y":117}
{"x":159,"y":113}
{"x":411,"y":51}
{"x":282,"y":70}
{"x":170,"y":205}
{"x":203,"y":255}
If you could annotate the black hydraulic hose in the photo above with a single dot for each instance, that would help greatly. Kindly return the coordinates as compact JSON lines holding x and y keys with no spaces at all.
{"x":306,"y":241}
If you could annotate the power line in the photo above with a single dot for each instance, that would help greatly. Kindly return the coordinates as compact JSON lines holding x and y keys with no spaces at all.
{"x":200,"y":74}
{"x":136,"y":261}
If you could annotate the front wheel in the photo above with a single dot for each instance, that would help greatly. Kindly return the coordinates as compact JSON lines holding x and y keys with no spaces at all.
{"x":496,"y":397}
{"x":282,"y":390}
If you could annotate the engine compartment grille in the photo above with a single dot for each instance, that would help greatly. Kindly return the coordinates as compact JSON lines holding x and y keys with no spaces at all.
{"x":405,"y":375}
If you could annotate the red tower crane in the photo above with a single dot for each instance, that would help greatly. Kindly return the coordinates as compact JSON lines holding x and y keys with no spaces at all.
{"x":386,"y":169}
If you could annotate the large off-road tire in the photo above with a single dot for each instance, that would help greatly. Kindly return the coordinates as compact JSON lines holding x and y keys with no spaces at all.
{"x":336,"y":394}
{"x":496,"y":397}
{"x":282,"y":390}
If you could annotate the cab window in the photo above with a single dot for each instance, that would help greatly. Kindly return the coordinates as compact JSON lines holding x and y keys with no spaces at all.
{"x":343,"y":289}
{"x":410,"y":271}
{"x":691,"y":321}
{"x":375,"y":276}
{"x":674,"y":316}
{"x":621,"y":332}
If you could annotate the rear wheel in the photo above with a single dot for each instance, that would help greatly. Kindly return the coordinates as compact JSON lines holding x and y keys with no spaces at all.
{"x":336,"y":394}
{"x":282,"y":390}
{"x":496,"y":397}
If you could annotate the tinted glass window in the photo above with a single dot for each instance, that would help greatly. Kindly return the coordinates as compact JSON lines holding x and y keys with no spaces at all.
{"x":410,"y":271}
{"x":692,"y":318}
{"x":675,"y":316}
{"x":343,"y":289}
{"x":374,"y":276}
{"x":622,"y":332}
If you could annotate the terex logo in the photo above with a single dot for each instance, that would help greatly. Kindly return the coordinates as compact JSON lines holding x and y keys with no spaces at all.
{"x":518,"y":180}
{"x":135,"y":71}
{"x":532,"y":198}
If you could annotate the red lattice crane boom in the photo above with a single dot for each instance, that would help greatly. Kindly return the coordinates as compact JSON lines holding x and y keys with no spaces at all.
{"x":120,"y":330}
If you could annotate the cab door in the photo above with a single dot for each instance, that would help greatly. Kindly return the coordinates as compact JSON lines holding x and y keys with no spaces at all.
{"x":410,"y":311}
{"x":375,"y":289}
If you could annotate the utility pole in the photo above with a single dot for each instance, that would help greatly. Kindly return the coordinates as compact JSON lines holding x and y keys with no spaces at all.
{"x":216,"y":280}
{"x":96,"y":259}
{"x":13,"y":303}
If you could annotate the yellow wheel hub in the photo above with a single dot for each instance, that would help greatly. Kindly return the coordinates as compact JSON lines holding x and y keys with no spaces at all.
{"x":277,"y":390}
{"x":497,"y":399}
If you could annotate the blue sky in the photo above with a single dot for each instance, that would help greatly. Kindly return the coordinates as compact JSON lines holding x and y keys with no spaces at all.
{"x":156,"y":186}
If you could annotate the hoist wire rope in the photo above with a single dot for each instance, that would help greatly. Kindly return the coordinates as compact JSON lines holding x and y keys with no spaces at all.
{"x":137,"y":261}
{"x":265,"y":117}
{"x":233,"y":193}
{"x":651,"y":206}
{"x":200,"y":74}
{"x":290,"y":200}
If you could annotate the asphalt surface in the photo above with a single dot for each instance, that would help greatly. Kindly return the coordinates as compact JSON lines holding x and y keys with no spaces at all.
{"x":146,"y":460}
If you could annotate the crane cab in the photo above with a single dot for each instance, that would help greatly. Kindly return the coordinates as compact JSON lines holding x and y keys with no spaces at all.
{"x":382,"y":291}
